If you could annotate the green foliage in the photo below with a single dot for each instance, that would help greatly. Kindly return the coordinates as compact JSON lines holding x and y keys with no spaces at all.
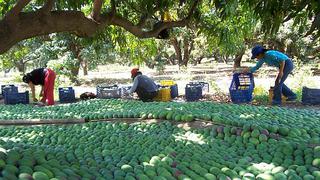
{"x":132,"y":49}
{"x":22,"y":54}
{"x":229,"y":27}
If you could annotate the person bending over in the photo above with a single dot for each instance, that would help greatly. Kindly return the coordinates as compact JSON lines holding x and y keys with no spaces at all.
{"x":44,"y":77}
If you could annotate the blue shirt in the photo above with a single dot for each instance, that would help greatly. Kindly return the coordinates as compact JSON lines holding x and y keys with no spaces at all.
{"x":272,"y":58}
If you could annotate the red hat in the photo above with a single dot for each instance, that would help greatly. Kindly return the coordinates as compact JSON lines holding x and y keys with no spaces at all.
{"x":134,"y":72}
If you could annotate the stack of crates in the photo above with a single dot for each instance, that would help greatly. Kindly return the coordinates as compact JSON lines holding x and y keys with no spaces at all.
{"x":173,"y":87}
{"x":164,"y":94}
{"x":12,"y":96}
{"x":67,"y":95}
{"x":241,"y":88}
{"x":108,"y":92}
{"x":193,"y":92}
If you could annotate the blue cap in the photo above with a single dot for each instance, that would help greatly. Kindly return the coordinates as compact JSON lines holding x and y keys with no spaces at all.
{"x":256,"y":51}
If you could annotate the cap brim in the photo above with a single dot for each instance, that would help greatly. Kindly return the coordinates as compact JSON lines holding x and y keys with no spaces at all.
{"x":253,"y":57}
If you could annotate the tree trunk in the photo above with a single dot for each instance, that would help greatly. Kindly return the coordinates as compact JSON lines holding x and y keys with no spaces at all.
{"x":74,"y":74}
{"x":176,"y":45}
{"x":185,"y":51}
{"x":237,"y":60}
{"x":21,"y":66}
{"x":76,"y":49}
{"x":85,"y":67}
{"x":199,"y":59}
{"x":187,"y":47}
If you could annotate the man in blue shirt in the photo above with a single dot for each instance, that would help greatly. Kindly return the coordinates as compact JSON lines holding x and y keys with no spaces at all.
{"x":279,"y":60}
{"x":144,"y":86}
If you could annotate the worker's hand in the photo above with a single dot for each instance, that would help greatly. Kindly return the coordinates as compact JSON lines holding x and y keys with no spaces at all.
{"x":41,"y":94}
{"x":35,"y":99}
{"x":280,"y":75}
{"x":246,"y":70}
{"x":127,"y":93}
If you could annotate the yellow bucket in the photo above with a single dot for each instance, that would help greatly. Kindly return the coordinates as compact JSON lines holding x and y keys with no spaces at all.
{"x":283,"y":98}
{"x":167,"y":83}
{"x":164,"y":95}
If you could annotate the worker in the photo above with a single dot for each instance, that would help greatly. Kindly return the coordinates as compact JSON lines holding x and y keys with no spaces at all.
{"x":44,"y":77}
{"x":279,"y":60}
{"x":144,"y":86}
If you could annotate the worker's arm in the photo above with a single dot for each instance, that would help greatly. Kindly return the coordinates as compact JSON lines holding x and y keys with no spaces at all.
{"x":256,"y":67}
{"x":41,"y":92}
{"x":31,"y":85}
{"x":134,"y":85}
{"x":280,"y":74}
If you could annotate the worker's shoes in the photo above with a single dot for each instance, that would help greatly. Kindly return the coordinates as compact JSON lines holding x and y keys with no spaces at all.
{"x":276,"y":103}
{"x":291,"y":99}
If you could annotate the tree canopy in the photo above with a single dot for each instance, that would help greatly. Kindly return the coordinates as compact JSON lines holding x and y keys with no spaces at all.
{"x":23,"y":19}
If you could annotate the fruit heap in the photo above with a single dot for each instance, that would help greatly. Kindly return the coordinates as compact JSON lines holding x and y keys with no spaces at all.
{"x":105,"y":150}
{"x":300,"y":125}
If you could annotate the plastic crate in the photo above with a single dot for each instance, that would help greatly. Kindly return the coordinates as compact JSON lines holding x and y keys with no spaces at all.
{"x":204,"y":85}
{"x":16,"y":98}
{"x":173,"y":86}
{"x":310,"y":96}
{"x":193,"y":92}
{"x":124,"y":89}
{"x":108,"y":92}
{"x":174,"y":91}
{"x":241,"y":88}
{"x":8,"y":89}
{"x":164,"y":94}
{"x":66,"y":95}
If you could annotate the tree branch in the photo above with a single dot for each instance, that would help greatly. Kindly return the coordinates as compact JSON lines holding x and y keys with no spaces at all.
{"x":193,"y":7}
{"x":96,"y":10}
{"x":315,"y":24}
{"x":16,"y":9}
{"x":137,"y":31}
{"x":32,"y":24}
{"x":48,"y":6}
{"x":142,"y":21}
{"x":113,"y":7}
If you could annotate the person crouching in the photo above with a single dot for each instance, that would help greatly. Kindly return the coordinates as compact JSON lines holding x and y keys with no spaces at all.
{"x":144,"y":86}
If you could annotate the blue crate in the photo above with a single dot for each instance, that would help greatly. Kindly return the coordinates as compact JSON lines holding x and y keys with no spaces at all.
{"x":8,"y":89}
{"x":310,"y":96}
{"x":174,"y":91}
{"x":241,"y":88}
{"x":67,"y":95}
{"x":16,"y":98}
{"x":193,"y":92}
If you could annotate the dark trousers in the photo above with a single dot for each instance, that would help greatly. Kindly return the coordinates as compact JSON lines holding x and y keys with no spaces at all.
{"x":144,"y":95}
{"x":281,"y":88}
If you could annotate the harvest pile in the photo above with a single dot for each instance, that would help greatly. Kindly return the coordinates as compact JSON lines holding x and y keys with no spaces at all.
{"x":149,"y":151}
{"x":299,"y":125}
{"x":245,"y":142}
